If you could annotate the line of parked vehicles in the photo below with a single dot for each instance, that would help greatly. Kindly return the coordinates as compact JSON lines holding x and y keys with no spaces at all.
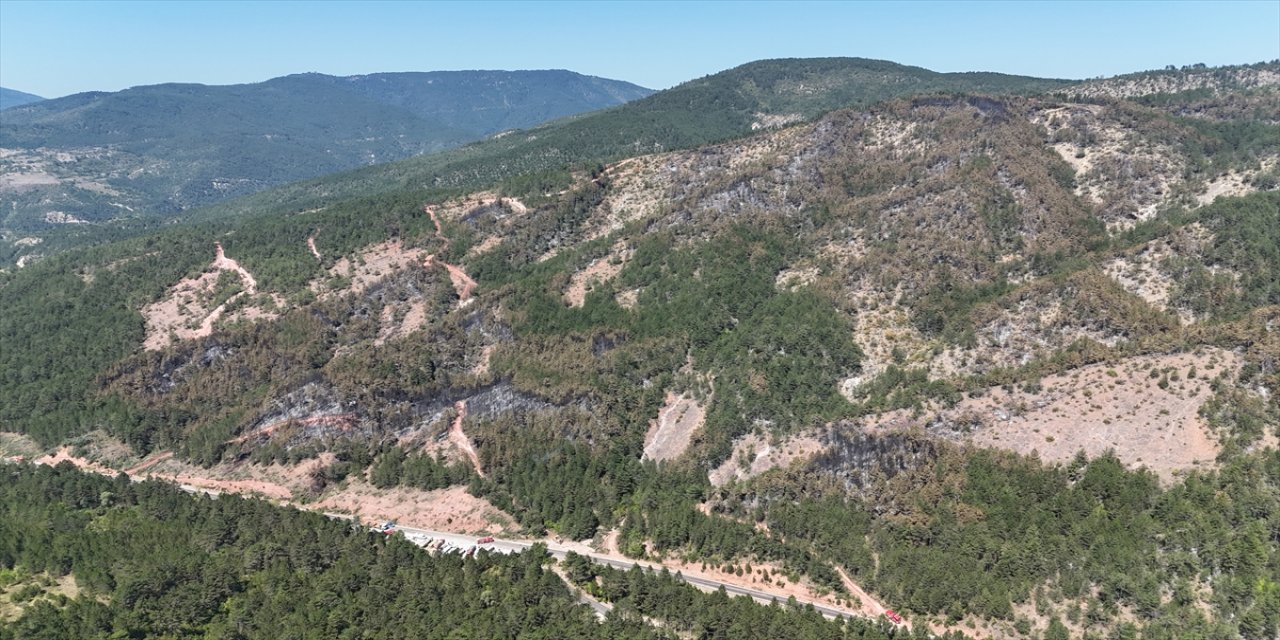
{"x":436,"y":545}
{"x":441,"y":546}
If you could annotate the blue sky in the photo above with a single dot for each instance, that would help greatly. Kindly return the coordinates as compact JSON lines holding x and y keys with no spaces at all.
{"x":57,"y":48}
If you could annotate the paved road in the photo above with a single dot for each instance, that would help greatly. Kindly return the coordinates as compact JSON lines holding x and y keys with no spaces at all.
{"x":423,"y":536}
{"x":463,"y":542}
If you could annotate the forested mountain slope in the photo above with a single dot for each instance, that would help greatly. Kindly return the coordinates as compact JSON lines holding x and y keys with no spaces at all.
{"x":146,"y":560}
{"x":725,"y":105}
{"x":14,"y":98}
{"x":153,"y":151}
{"x":985,"y":356}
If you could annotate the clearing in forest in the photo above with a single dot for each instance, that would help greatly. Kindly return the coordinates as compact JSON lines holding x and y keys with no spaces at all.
{"x":669,"y":434}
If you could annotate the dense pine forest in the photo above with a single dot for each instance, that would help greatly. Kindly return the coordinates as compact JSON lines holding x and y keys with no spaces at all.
{"x":884,"y":321}
{"x":84,"y":556}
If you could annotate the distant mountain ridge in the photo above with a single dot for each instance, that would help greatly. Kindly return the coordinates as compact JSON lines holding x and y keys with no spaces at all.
{"x":978,"y":357}
{"x":15,"y":98}
{"x":725,"y":105}
{"x":161,"y":149}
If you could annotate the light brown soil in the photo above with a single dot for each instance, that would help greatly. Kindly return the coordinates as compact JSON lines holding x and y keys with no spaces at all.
{"x":176,"y":314}
{"x":596,"y":273}
{"x":1091,"y":409}
{"x":883,"y":328}
{"x":867,"y":604}
{"x":462,"y":283}
{"x":669,"y":434}
{"x":460,"y":440}
{"x":178,"y":311}
{"x":64,"y":586}
{"x":484,"y":247}
{"x":311,"y":244}
{"x":754,"y":454}
{"x":221,"y":261}
{"x":414,"y":318}
{"x":149,"y":462}
{"x":628,"y":299}
{"x":754,"y":577}
{"x":451,"y":509}
{"x":795,"y":277}
{"x":371,"y":265}
{"x":1123,"y":170}
{"x":63,"y":454}
{"x":255,"y":313}
{"x":16,"y":444}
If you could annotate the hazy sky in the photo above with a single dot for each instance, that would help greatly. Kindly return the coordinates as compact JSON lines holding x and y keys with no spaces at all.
{"x":56,"y":48}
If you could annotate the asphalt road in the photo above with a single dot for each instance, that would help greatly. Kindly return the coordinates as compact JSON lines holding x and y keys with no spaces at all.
{"x":463,"y":542}
{"x":423,"y":536}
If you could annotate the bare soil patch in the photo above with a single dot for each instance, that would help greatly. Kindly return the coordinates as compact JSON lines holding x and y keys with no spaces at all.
{"x":413,"y":317}
{"x":451,"y":509}
{"x":64,"y":586}
{"x":16,"y":444}
{"x":184,"y":313}
{"x":462,"y":283}
{"x":669,"y":434}
{"x":754,"y":454}
{"x":598,"y":272}
{"x":1143,"y":271}
{"x":1145,"y":409}
{"x":460,"y":440}
{"x":369,"y":266}
{"x":1127,"y":173}
{"x":22,"y":181}
{"x":761,"y":575}
{"x":484,"y":246}
{"x":63,"y":454}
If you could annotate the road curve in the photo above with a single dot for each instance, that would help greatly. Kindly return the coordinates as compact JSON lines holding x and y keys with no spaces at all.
{"x":422,"y":536}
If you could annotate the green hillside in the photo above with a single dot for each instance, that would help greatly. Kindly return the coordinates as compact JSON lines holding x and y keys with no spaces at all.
{"x":14,"y":98}
{"x":154,"y":151}
{"x":718,"y":107}
{"x":1005,"y":362}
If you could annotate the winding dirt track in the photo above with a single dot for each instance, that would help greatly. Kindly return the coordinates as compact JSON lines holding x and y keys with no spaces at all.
{"x":462,"y":283}
{"x":221,"y":261}
{"x":460,"y":439}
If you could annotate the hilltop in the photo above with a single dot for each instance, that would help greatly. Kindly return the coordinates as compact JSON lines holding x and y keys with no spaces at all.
{"x":722,"y":106}
{"x":977,"y":356}
{"x":13,"y":98}
{"x":154,"y":151}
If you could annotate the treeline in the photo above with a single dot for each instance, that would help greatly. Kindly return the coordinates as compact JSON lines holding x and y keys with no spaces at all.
{"x":151,"y":561}
{"x":1090,"y":543}
{"x":666,"y":598}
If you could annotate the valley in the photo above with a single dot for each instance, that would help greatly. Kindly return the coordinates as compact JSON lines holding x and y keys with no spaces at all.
{"x":998,"y":354}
